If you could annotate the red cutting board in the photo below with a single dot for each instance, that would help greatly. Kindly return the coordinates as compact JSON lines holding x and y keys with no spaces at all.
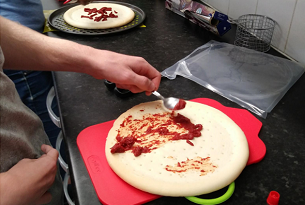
{"x":112,"y":190}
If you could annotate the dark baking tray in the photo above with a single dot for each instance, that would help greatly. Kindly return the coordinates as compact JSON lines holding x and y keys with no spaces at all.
{"x":57,"y":21}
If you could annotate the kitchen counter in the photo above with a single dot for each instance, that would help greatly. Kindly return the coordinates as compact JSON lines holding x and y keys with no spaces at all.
{"x":167,"y":38}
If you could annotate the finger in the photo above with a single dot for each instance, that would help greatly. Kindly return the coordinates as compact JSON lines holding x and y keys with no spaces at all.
{"x":44,"y":199}
{"x":144,"y":68}
{"x":151,"y":82}
{"x":136,"y":83}
{"x":157,"y":81}
{"x":147,"y":70}
{"x":50,"y":151}
{"x":144,"y":83}
{"x":147,"y":93}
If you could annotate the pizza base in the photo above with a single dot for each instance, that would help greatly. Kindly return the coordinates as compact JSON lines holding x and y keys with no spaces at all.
{"x":222,"y":140}
{"x":73,"y":16}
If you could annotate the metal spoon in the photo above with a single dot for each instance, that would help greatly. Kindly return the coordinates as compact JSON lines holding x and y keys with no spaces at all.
{"x":169,"y":103}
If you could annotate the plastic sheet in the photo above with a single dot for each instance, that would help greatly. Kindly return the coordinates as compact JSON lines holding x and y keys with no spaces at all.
{"x":255,"y":80}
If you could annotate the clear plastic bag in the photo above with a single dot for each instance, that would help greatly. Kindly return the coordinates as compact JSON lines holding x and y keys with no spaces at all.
{"x":255,"y":80}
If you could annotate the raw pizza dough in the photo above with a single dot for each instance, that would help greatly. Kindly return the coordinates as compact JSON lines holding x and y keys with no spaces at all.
{"x":73,"y":16}
{"x":222,"y":142}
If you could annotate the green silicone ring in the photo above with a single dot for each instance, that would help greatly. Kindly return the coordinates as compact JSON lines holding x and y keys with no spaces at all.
{"x":218,"y":200}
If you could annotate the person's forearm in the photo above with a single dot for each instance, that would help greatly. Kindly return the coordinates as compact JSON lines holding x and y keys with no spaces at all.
{"x":6,"y":191}
{"x":26,"y":49}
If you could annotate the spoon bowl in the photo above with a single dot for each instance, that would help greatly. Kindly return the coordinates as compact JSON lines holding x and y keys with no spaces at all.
{"x":170,"y":103}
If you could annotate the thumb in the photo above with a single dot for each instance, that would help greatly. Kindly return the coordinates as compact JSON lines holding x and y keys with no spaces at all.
{"x":50,"y":151}
{"x":144,"y":83}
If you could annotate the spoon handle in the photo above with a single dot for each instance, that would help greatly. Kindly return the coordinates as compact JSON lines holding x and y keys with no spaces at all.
{"x":158,"y":95}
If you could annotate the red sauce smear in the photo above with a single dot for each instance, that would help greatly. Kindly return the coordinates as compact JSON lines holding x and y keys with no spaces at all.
{"x":102,"y":12}
{"x":180,"y":105}
{"x":137,"y":142}
{"x":203,"y":165}
{"x":189,"y":142}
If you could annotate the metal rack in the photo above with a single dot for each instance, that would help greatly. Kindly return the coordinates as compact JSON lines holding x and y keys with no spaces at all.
{"x":254,"y":32}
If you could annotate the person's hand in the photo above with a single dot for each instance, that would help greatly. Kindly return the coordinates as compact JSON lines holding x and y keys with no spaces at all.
{"x":28,"y":181}
{"x":127,"y":72}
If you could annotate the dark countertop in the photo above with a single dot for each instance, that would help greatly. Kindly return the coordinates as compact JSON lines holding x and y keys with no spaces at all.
{"x":167,"y":38}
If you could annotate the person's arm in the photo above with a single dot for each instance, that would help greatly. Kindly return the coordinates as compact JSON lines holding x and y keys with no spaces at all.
{"x":27,"y":49}
{"x":28,"y":181}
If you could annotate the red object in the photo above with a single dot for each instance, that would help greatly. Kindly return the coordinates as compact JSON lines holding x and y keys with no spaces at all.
{"x":112,"y":190}
{"x":180,"y":105}
{"x":127,"y":143}
{"x":67,"y":1}
{"x":273,"y":198}
{"x":102,"y":11}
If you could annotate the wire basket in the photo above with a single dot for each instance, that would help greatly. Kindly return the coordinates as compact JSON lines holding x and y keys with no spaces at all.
{"x":254,"y":32}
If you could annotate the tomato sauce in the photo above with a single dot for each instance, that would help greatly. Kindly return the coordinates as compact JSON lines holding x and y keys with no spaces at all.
{"x":102,"y":12}
{"x":202,"y":165}
{"x":151,"y":132}
{"x":180,"y":105}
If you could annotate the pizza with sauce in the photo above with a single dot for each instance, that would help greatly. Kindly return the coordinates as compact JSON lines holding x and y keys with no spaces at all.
{"x":187,"y":152}
{"x":99,"y":16}
{"x":152,"y":131}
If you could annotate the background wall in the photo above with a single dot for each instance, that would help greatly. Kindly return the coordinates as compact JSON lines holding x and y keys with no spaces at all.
{"x":289,"y":33}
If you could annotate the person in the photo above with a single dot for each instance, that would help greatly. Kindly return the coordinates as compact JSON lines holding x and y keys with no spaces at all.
{"x":28,"y":163}
{"x":32,"y":86}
